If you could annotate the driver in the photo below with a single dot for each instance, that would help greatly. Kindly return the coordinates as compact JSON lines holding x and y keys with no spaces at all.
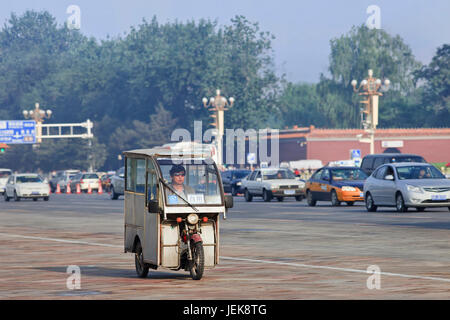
{"x":177,"y":174}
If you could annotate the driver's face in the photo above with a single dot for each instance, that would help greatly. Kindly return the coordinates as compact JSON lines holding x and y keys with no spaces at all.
{"x":178,"y":178}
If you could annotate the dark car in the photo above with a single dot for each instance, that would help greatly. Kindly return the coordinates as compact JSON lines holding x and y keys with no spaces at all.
{"x":231,"y":180}
{"x":372,"y":161}
{"x":336,"y":184}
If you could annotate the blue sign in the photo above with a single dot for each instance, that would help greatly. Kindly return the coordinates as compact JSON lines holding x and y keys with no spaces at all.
{"x":355,"y":154}
{"x":18,"y":131}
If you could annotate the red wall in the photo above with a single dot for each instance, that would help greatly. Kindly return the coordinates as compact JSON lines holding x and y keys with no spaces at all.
{"x":433,"y":150}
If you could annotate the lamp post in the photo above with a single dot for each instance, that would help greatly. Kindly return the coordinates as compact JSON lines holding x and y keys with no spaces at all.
{"x":369,"y":88}
{"x":219,"y":105}
{"x":37,"y":115}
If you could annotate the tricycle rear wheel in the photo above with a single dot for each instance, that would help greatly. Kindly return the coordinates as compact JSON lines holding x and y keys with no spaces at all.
{"x":141,"y":267}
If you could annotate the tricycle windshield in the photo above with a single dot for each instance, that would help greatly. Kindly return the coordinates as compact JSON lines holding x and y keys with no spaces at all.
{"x":196,"y":182}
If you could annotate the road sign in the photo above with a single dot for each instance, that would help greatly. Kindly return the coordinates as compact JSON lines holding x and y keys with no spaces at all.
{"x":251,"y":158}
{"x":355,"y":154}
{"x":18,"y":131}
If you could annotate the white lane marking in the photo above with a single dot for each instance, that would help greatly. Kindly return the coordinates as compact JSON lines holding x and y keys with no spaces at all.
{"x":60,"y":240}
{"x":334,"y":268}
{"x":243,"y":259}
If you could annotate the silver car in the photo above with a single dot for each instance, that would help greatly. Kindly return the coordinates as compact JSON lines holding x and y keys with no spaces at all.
{"x":406,"y":185}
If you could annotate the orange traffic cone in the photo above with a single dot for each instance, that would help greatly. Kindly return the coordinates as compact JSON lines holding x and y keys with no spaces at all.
{"x":68,"y":191}
{"x":58,"y":189}
{"x":89,"y":189}
{"x":100,"y":189}
{"x":78,"y":188}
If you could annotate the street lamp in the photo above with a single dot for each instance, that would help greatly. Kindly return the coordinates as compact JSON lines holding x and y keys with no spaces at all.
{"x":37,"y":115}
{"x":219,"y":105}
{"x":369,"y":87}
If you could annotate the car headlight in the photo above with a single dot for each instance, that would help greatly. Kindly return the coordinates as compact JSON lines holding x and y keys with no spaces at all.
{"x":413,"y":188}
{"x":238,"y":183}
{"x":192,"y":218}
{"x":273,"y":187}
{"x":301,"y":185}
{"x":347,"y":188}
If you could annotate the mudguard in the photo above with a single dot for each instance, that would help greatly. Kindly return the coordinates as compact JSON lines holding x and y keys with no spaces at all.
{"x":196,"y":238}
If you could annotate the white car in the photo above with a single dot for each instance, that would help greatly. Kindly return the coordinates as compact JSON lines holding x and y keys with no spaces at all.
{"x":273,"y":183}
{"x":4,"y":174}
{"x":26,"y":185}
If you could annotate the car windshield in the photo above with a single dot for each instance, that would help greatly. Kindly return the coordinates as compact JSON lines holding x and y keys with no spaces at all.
{"x":406,"y":159}
{"x":90,"y":176}
{"x":196,"y":183}
{"x":419,"y":172}
{"x":5,"y":174}
{"x":277,"y":174}
{"x":348,"y":174}
{"x":25,"y":179}
{"x":240,"y":174}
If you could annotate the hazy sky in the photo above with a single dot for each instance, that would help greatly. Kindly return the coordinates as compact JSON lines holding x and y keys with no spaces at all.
{"x":302,"y":29}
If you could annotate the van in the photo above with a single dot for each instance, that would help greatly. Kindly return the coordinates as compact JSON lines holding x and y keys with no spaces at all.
{"x":372,"y":161}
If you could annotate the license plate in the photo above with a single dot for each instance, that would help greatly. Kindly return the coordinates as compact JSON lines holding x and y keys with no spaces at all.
{"x":35,"y":192}
{"x":289,"y":191}
{"x":438,"y":197}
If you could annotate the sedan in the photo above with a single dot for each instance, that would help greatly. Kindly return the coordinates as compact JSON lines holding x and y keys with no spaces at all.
{"x":86,"y":181}
{"x":232,"y":180}
{"x":407,"y":185}
{"x":28,"y":185}
{"x":336,"y":184}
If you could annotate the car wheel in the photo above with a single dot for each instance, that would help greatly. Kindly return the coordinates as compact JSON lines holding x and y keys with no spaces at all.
{"x":46,"y":198}
{"x":248,"y":196}
{"x":310,"y":199}
{"x":280,"y":199}
{"x":400,"y":203}
{"x":266,"y":195}
{"x":420,"y":209}
{"x":16,"y":198}
{"x":350,"y":203}
{"x":334,"y":199}
{"x":370,"y":205}
{"x":114,"y":195}
{"x":298,"y":198}
{"x":35,"y":199}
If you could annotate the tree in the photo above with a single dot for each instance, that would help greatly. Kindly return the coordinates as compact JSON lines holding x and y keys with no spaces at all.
{"x":436,"y":95}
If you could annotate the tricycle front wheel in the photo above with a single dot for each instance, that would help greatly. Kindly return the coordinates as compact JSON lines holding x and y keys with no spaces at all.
{"x":197,"y":264}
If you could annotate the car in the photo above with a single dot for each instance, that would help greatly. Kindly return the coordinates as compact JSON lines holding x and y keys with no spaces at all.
{"x":85,"y":180}
{"x":26,"y":185}
{"x":272,"y":183}
{"x":406,"y":185}
{"x":58,"y":176}
{"x":65,"y":180}
{"x":117,"y":187}
{"x":4,"y":174}
{"x":106,"y":181}
{"x":336,"y":184}
{"x":372,"y":161}
{"x":232,"y":180}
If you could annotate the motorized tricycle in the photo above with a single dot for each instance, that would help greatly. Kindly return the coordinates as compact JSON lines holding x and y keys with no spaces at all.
{"x":172,"y":207}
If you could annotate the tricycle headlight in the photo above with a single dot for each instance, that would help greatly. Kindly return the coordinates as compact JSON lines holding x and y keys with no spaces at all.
{"x":413,"y":188}
{"x":192,"y":218}
{"x":346,"y":188}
